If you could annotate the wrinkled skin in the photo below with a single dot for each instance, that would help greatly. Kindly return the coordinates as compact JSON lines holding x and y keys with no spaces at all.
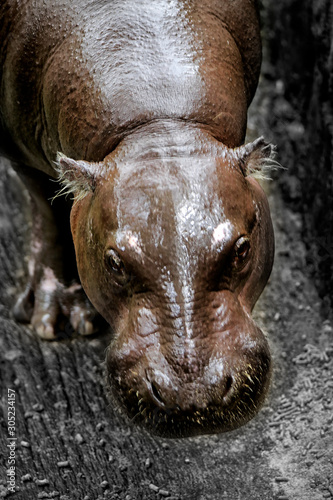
{"x":173,"y":237}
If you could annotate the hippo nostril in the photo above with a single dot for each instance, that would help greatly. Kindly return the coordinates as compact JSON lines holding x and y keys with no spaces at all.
{"x":220,"y":384}
{"x":160,"y":387}
{"x":228,"y":385}
{"x":228,"y":388}
{"x":156,"y":393}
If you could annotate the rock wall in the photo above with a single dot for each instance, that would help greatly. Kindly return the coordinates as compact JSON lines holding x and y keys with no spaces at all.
{"x":298,"y":38}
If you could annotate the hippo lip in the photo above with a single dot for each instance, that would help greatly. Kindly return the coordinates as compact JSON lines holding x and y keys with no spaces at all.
{"x":173,"y":422}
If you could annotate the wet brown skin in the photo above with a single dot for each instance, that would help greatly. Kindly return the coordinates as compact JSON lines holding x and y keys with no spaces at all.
{"x":173,"y":238}
{"x":186,"y":357}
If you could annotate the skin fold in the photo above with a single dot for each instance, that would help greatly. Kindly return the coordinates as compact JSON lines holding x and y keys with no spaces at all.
{"x":139,"y":110}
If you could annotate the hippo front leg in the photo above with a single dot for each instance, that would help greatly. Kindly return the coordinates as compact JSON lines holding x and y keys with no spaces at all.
{"x":51,"y":292}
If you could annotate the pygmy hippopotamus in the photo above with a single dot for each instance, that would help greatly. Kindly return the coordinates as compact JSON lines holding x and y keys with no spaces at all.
{"x":139,"y":110}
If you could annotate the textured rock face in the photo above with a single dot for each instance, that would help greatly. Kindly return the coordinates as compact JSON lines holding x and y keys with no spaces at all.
{"x":306,"y":82}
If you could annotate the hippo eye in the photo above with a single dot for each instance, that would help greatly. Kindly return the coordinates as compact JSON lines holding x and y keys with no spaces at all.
{"x":116,"y":266}
{"x":241,"y":251}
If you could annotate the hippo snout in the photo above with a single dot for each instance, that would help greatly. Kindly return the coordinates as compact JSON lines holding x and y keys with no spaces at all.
{"x":178,"y":399}
{"x":169,"y":395}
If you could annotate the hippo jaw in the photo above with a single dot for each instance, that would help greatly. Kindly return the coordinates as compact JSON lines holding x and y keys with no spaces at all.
{"x":174,"y":250}
{"x":194,"y":386}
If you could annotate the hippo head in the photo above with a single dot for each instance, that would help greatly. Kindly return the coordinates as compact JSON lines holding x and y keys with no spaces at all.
{"x":174,"y":245}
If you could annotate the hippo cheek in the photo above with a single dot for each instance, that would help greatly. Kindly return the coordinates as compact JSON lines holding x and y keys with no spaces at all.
{"x":108,"y":298}
{"x":263,"y":245}
{"x":209,"y":384}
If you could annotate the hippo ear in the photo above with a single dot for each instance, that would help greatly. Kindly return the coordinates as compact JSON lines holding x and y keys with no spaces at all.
{"x":257,"y":158}
{"x":78,"y":178}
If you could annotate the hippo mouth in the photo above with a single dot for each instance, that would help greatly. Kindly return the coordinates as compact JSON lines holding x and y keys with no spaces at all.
{"x":241,"y":399}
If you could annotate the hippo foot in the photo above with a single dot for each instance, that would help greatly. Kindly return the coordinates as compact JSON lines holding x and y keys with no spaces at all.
{"x":54,"y":309}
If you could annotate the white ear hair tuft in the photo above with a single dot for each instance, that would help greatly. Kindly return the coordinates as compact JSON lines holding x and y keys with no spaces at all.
{"x":257,"y":158}
{"x":78,"y":178}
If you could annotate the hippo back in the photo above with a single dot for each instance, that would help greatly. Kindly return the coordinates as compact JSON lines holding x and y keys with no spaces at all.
{"x":78,"y":76}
